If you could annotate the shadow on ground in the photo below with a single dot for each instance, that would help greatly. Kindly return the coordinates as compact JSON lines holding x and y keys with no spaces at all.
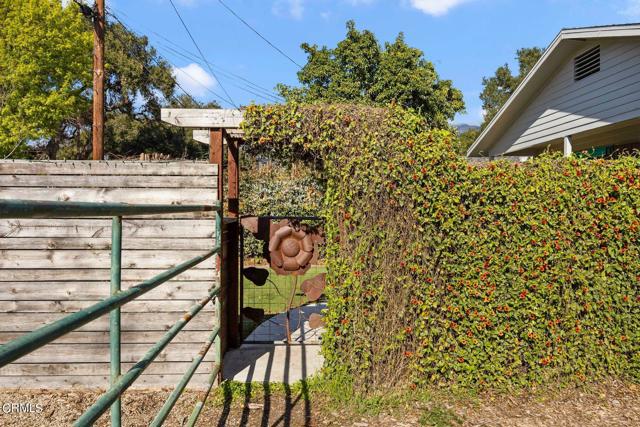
{"x":291,"y":406}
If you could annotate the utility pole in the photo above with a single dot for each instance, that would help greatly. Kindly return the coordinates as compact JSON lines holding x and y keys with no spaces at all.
{"x":99,"y":24}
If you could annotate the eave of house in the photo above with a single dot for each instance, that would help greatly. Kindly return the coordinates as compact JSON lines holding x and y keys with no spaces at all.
{"x":565,"y":44}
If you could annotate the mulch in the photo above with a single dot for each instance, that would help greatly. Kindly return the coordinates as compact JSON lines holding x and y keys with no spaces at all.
{"x":614,"y":403}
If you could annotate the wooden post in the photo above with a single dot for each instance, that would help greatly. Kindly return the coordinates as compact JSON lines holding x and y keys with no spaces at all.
{"x":216,"y":140}
{"x":233,"y":303}
{"x":567,"y":146}
{"x":98,"y":81}
{"x":234,"y":177}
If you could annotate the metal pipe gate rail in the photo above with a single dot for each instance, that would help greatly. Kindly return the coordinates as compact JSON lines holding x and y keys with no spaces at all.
{"x":29,"y":342}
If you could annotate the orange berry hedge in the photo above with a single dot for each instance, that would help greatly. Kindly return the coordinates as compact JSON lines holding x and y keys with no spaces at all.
{"x":441,"y":272}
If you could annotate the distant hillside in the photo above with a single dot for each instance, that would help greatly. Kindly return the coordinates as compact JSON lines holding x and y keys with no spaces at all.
{"x":462,"y":128}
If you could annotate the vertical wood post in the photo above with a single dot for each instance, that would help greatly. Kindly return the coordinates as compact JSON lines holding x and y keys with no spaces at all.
{"x":233,"y":304}
{"x":98,"y":80}
{"x":567,"y":146}
{"x":233,"y":165}
{"x":216,"y":139}
{"x":216,"y":155}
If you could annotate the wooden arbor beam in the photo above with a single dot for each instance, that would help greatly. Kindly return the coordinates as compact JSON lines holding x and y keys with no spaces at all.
{"x":202,"y":118}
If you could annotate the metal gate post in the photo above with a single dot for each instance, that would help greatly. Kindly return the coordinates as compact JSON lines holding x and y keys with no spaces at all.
{"x":114,"y":315}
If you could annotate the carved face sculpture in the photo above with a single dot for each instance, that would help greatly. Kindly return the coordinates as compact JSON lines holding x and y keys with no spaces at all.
{"x":291,"y":249}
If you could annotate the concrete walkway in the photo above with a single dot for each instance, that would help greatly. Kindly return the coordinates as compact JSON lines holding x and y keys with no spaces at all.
{"x":278,"y":361}
{"x":272,"y":363}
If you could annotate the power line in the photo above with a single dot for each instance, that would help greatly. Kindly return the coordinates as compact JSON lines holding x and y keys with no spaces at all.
{"x":185,"y":53}
{"x":195,"y":81}
{"x":144,"y":67}
{"x":201,"y":54}
{"x":257,"y":32}
{"x":251,"y":86}
{"x":266,"y":96}
{"x":182,"y":71}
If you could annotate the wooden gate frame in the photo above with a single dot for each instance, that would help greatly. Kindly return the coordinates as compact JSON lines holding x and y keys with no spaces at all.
{"x":216,"y":127}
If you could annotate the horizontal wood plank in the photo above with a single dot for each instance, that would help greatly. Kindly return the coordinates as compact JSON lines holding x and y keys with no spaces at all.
{"x":27,"y":322}
{"x":99,"y":353}
{"x":202,"y":118}
{"x":164,"y":196}
{"x":91,"y":291}
{"x":81,"y":259}
{"x":137,"y":337}
{"x":43,"y":369}
{"x":95,"y":228}
{"x":104,"y":243}
{"x":79,"y":167}
{"x":62,"y":306}
{"x":71,"y":275}
{"x":198,"y":382}
{"x":108,"y":181}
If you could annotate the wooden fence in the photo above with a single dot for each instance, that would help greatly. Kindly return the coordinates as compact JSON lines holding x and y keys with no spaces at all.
{"x":52,"y":267}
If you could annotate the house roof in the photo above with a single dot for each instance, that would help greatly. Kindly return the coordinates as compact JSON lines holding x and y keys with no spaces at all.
{"x":563,"y":45}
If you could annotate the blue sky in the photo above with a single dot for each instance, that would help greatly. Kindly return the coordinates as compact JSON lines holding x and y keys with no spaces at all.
{"x":465,"y":39}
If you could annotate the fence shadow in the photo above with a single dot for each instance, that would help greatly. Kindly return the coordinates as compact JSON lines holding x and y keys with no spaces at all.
{"x":265,"y":403}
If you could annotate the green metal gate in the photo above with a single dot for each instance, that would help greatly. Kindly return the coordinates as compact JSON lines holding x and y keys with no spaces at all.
{"x":25,"y":344}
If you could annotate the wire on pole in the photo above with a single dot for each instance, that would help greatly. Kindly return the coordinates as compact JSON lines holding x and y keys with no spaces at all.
{"x":201,"y":54}
{"x":258,"y":33}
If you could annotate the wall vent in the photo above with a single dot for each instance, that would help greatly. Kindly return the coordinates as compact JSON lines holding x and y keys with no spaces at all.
{"x":586,"y":64}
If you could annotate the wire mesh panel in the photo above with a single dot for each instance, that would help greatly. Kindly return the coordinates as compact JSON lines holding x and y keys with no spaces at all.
{"x":277,"y":301}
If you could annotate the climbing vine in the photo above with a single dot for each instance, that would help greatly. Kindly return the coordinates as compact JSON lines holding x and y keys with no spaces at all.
{"x":441,"y":272}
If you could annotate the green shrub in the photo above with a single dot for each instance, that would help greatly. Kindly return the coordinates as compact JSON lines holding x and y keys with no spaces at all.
{"x":276,"y":189}
{"x":444,"y":273}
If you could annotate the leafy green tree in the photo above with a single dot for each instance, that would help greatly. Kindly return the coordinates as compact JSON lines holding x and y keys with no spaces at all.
{"x":45,"y":87}
{"x":45,"y":71}
{"x":465,"y":139}
{"x":138,"y":84}
{"x":131,"y":134}
{"x":360,"y":70}
{"x":498,"y":89}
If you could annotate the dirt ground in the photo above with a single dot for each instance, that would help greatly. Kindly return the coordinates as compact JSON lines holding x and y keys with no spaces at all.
{"x":611,"y":404}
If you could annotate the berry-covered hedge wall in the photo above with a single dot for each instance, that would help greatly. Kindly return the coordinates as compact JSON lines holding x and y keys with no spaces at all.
{"x":445,"y":273}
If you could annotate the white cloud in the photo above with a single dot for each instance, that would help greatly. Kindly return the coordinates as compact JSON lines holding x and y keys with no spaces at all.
{"x":295,"y":8}
{"x":194,"y":79}
{"x":436,"y":7}
{"x":292,"y":8}
{"x":631,"y":8}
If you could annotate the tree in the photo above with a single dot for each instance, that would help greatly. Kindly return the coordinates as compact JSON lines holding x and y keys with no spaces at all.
{"x":138,"y":83}
{"x":498,"y":89}
{"x":45,"y":70}
{"x":359,"y":70}
{"x":45,"y":87}
{"x":465,"y":139}
{"x":130,"y":134}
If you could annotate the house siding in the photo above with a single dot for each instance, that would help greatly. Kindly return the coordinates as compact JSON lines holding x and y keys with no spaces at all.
{"x":566,"y":107}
